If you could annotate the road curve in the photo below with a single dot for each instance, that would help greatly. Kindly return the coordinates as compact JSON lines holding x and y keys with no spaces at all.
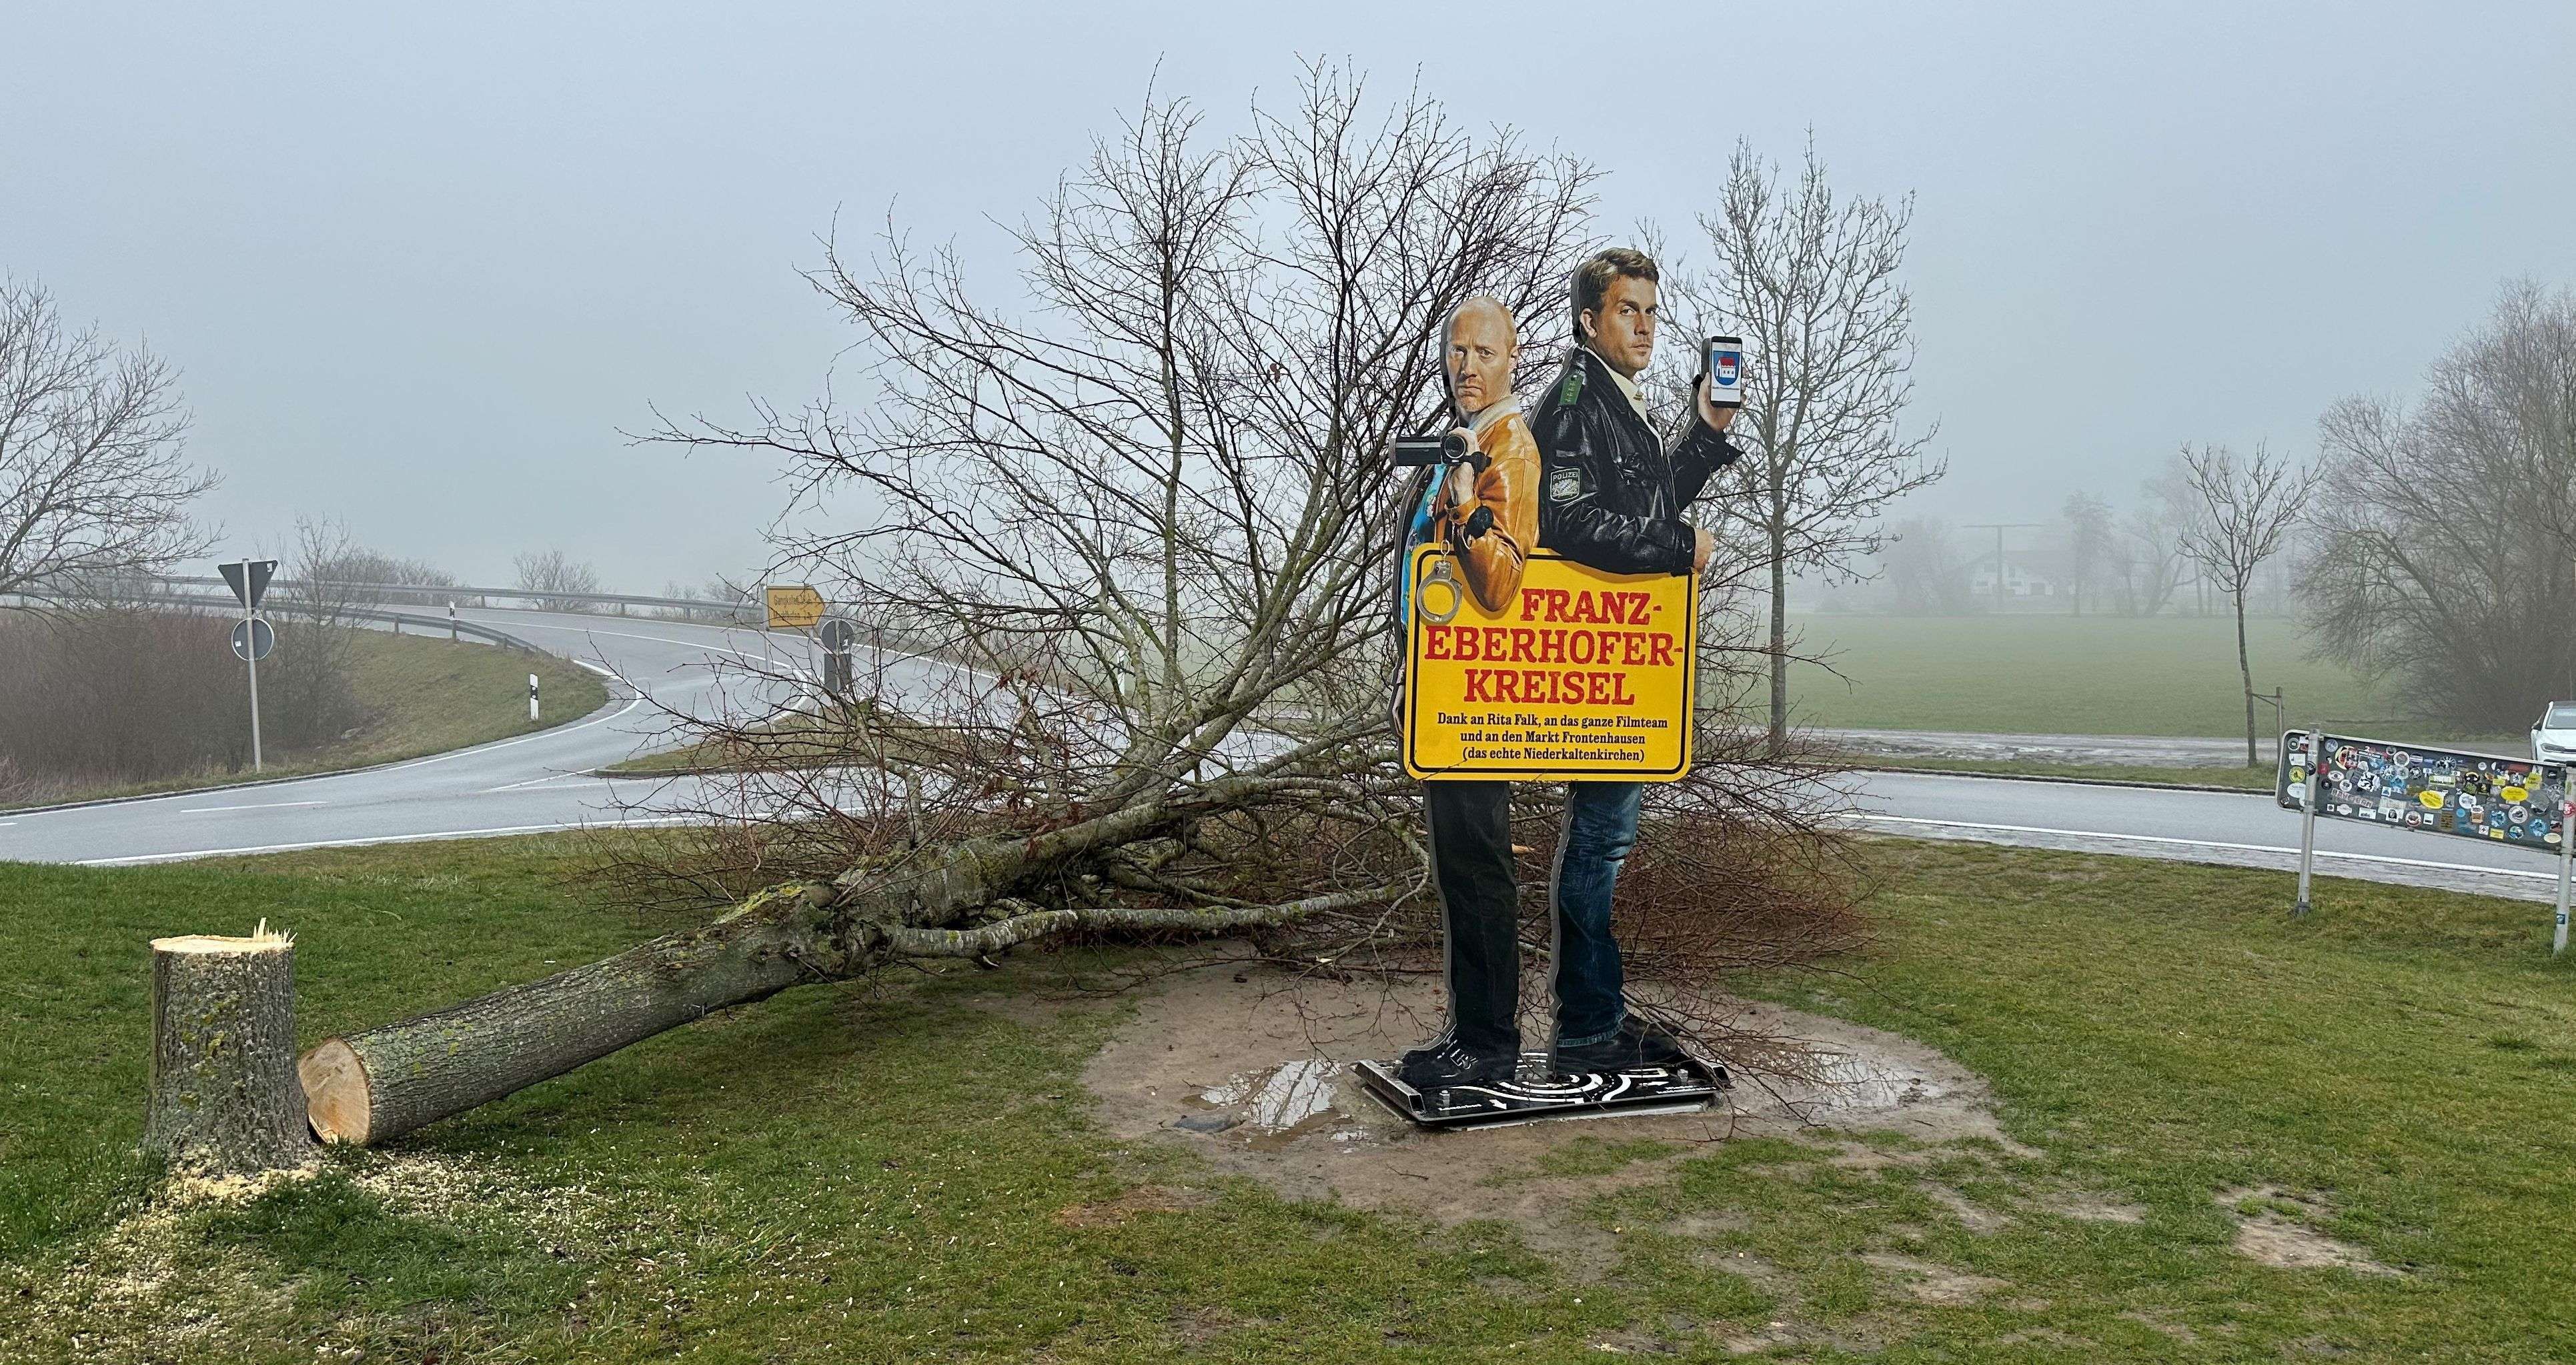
{"x":537,"y":782}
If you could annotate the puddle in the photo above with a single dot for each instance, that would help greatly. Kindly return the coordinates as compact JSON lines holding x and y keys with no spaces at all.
{"x":1276,"y":1099}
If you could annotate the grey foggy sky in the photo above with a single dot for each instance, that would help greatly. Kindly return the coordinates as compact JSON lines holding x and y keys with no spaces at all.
{"x":418,"y":269}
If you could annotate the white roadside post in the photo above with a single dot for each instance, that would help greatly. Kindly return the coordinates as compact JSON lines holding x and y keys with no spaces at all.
{"x":248,"y":578}
{"x":532,"y":697}
{"x":249,"y":616}
{"x":451,"y":620}
{"x":2566,"y":857}
{"x":2308,"y":822}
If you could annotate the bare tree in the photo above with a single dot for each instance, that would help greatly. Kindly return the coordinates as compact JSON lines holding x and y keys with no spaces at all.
{"x":2446,"y":531}
{"x":93,"y":485}
{"x":2251,"y":506}
{"x":1925,"y":570}
{"x":2150,"y":554}
{"x":552,"y":571}
{"x":1153,"y":518}
{"x":1810,"y":281}
{"x":2089,"y":540}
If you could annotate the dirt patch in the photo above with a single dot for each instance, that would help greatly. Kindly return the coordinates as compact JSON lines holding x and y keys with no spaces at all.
{"x":1974,"y":1217}
{"x":1255,"y":1077}
{"x":1110,"y":1213}
{"x":2272,"y":1226}
{"x":1936,"y":1284}
{"x":2090,"y":1207}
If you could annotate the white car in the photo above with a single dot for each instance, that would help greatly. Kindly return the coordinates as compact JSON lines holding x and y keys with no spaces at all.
{"x":2553,"y":740}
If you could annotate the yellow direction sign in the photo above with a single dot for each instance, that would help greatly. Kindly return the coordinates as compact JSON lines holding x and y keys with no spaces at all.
{"x":1582,"y":674}
{"x":794,"y":606}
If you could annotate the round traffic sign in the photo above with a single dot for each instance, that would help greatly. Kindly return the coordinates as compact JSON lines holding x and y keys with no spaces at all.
{"x":253,"y":639}
{"x":839,"y":633}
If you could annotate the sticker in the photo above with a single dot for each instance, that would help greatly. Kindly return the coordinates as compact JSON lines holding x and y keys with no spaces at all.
{"x":2515,"y":793}
{"x":2516,"y":815}
{"x":2343,"y":810}
{"x":2433,"y":800}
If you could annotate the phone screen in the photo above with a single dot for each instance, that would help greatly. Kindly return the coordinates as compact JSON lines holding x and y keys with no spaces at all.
{"x":1726,"y":371}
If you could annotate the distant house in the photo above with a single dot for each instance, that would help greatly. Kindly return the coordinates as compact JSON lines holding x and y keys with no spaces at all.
{"x":2038,"y":573}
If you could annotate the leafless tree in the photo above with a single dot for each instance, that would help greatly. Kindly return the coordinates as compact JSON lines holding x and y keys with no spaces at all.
{"x":1148,"y":523}
{"x":2250,"y":506}
{"x":2149,"y":551}
{"x":1926,"y":572}
{"x":93,"y":483}
{"x":553,"y":571}
{"x":2446,"y":531}
{"x":1810,"y":280}
{"x":2089,"y":538}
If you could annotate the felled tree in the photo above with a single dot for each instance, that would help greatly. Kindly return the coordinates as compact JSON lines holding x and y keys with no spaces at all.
{"x":1124,"y":561}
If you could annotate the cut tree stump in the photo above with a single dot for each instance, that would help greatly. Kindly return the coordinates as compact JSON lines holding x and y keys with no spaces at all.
{"x":224,"y":1098}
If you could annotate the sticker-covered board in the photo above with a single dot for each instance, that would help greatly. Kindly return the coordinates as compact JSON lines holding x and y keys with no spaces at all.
{"x":2439,"y":791}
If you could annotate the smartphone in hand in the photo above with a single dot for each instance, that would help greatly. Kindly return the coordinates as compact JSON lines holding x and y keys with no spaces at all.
{"x":1725,"y":356}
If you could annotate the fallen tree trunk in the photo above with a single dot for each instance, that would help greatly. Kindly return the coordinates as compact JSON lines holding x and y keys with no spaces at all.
{"x":368,"y":1087}
{"x":373,"y":1086}
{"x":222,"y":1097}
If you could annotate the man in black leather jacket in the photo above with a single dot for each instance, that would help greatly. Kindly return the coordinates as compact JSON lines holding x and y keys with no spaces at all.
{"x":1611,"y":494}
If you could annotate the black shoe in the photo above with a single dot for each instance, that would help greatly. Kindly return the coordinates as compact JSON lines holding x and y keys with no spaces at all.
{"x":1443,"y":1064}
{"x":1636,"y":1045}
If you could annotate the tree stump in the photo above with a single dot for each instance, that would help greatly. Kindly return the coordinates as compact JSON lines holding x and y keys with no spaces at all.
{"x":224,"y":1097}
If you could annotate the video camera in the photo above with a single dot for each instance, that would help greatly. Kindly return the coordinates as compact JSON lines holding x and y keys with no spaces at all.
{"x":1413,"y":452}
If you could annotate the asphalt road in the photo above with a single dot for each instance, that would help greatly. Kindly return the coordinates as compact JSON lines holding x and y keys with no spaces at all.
{"x":536,"y":782}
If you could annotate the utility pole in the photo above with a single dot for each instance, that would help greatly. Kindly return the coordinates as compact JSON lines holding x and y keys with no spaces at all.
{"x":1999,"y":528}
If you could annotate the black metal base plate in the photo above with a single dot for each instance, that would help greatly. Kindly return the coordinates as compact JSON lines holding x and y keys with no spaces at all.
{"x":1537,"y":1094}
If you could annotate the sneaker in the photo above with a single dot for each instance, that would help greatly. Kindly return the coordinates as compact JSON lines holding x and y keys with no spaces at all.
{"x":1445,"y":1063}
{"x":1636,"y":1045}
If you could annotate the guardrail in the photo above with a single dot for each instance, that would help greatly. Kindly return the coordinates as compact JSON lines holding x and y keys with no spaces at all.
{"x":431,"y":595}
{"x":429,"y":625}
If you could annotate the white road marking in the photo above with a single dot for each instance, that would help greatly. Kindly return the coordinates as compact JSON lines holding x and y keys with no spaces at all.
{"x":536,"y":783}
{"x":1865,"y":816}
{"x":383,"y":839}
{"x":265,"y":805}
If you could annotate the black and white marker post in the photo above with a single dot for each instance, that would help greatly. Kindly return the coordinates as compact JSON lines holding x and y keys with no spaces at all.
{"x":2308,"y":819}
{"x":532,"y":699}
{"x":249,"y":581}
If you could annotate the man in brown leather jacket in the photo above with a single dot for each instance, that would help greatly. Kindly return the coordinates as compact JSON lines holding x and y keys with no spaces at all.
{"x":1488,"y":516}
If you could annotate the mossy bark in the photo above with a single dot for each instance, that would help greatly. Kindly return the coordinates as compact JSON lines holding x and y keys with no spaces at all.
{"x":223,"y":1095}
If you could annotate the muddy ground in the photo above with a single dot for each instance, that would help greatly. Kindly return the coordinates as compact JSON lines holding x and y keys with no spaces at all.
{"x":1254,"y":1075}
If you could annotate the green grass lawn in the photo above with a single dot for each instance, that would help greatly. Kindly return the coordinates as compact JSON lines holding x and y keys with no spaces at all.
{"x":2080,"y":675}
{"x":884,"y":1173}
{"x":422,"y":696}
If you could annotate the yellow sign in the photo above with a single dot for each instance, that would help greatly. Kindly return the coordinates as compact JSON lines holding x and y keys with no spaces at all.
{"x":1582,"y":674}
{"x":794,"y":607}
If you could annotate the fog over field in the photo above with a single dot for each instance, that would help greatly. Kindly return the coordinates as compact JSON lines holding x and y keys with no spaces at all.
{"x":418,"y":271}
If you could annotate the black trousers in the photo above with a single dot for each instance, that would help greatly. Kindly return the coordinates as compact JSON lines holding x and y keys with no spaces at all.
{"x":1480,"y":909}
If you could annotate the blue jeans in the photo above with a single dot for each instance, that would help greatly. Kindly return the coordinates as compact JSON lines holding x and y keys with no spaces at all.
{"x":1600,"y":828}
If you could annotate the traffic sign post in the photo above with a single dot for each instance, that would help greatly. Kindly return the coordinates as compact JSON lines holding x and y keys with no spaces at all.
{"x":248,"y":579}
{"x":837,"y":634}
{"x":2566,"y":872}
{"x":2308,"y":824}
{"x":793,"y":606}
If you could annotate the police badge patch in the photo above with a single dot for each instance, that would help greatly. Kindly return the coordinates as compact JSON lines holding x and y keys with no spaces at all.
{"x":1565,"y":485}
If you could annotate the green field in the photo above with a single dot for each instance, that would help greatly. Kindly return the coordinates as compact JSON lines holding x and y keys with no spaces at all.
{"x":2078,"y":675}
{"x":891,"y":1172}
{"x":420,"y":696}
